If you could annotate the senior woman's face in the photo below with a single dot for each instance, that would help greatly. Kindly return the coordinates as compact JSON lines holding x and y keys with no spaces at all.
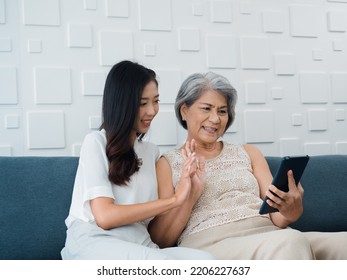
{"x":207,"y":117}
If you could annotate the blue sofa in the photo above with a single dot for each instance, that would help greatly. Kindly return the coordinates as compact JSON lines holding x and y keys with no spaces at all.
{"x":35,"y":195}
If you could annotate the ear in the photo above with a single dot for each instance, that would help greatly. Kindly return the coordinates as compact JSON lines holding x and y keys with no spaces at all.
{"x":183,"y":111}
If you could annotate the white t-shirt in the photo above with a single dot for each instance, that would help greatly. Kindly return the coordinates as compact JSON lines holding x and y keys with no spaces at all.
{"x":92,"y":177}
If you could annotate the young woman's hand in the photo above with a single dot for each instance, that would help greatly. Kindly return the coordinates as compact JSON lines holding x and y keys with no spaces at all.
{"x":189,"y":168}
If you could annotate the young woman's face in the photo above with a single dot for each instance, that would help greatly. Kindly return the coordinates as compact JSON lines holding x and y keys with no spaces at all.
{"x":207,"y":117}
{"x":149,"y":107}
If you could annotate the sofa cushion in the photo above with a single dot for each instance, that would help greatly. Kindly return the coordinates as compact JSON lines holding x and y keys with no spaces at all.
{"x":35,"y":200}
{"x":325,"y":193}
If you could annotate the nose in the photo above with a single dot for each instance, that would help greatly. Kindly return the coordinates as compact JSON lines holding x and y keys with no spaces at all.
{"x":214,"y":117}
{"x":151,"y":110}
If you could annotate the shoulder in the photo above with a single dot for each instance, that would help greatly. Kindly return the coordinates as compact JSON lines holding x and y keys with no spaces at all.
{"x":147,"y":148}
{"x":254,"y":154}
{"x":99,"y":136}
{"x":95,"y":139}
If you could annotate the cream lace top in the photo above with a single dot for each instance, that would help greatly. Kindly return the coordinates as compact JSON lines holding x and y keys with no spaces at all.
{"x":231,"y":191}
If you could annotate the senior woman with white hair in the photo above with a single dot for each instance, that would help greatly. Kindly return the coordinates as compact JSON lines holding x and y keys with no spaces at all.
{"x":221,"y":214}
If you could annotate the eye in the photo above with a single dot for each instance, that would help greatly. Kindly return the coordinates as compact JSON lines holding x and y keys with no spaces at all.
{"x":223,"y":112}
{"x":205,"y":108}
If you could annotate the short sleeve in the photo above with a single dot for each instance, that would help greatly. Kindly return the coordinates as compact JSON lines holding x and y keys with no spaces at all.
{"x":94,"y":164}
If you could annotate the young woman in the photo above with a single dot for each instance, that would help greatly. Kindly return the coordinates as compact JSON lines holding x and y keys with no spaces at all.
{"x":115,"y":191}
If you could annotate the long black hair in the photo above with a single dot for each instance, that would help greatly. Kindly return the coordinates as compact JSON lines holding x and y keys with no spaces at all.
{"x":121,"y":101}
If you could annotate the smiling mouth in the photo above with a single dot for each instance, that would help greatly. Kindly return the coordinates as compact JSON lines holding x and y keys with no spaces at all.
{"x":210,"y":129}
{"x":147,"y":123}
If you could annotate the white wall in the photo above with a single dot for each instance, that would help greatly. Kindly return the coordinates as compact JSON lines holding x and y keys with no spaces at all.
{"x":287,"y":59}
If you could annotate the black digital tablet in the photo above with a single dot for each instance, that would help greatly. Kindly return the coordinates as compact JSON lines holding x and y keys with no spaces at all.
{"x":295,"y":163}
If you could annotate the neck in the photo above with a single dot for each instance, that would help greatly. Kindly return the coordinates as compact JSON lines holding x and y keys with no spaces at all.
{"x":208,"y":149}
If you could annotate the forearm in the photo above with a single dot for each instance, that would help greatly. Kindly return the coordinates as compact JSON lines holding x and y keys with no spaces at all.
{"x":166,"y":228}
{"x":279,"y":220}
{"x":109,"y":215}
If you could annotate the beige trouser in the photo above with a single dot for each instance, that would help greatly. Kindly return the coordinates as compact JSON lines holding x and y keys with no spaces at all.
{"x":257,"y":238}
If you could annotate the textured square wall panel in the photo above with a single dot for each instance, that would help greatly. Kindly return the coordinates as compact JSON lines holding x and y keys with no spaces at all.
{"x":251,"y":47}
{"x":45,"y":130}
{"x":80,"y":35}
{"x":290,"y":146}
{"x":285,"y":64}
{"x":339,"y":87}
{"x":117,"y":8}
{"x":221,"y":51}
{"x":337,"y":21}
{"x":8,"y":85}
{"x":305,"y":20}
{"x":169,"y":83}
{"x":221,"y":11}
{"x":115,"y":46}
{"x":314,"y":87}
{"x":5,"y":45}
{"x":256,"y":92}
{"x":93,"y":82}
{"x":2,"y":11}
{"x":52,"y":85}
{"x":317,"y":148}
{"x":259,"y":126}
{"x":90,"y":5}
{"x":41,"y":12}
{"x":273,"y":22}
{"x":163,"y":129}
{"x":188,"y":39}
{"x":155,"y":15}
{"x":317,"y":119}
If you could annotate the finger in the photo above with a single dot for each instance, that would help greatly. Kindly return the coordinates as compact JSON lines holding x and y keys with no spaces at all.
{"x":202,"y":163}
{"x":184,"y":153}
{"x":192,"y":145}
{"x":301,"y":189}
{"x":291,"y":180}
{"x":187,"y":147}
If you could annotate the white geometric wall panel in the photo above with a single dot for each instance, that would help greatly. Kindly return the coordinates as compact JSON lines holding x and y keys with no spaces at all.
{"x":259,"y":126}
{"x":221,"y":51}
{"x":317,"y":119}
{"x":41,"y":12}
{"x":2,"y":12}
{"x":117,"y":8}
{"x":273,"y":21}
{"x":80,"y":35}
{"x":287,"y":60}
{"x":46,"y":130}
{"x":290,"y":146}
{"x":255,"y":53}
{"x":339,"y":87}
{"x":314,"y":87}
{"x":155,"y":15}
{"x":52,"y":85}
{"x":169,"y":81}
{"x":189,"y":40}
{"x":256,"y":92}
{"x":163,"y":129}
{"x":93,"y":82}
{"x":341,"y":148}
{"x":318,"y":148}
{"x":305,"y":20}
{"x":5,"y":45}
{"x":285,"y":64}
{"x":115,"y":46}
{"x":221,"y":11}
{"x":337,"y":21}
{"x":8,"y":85}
